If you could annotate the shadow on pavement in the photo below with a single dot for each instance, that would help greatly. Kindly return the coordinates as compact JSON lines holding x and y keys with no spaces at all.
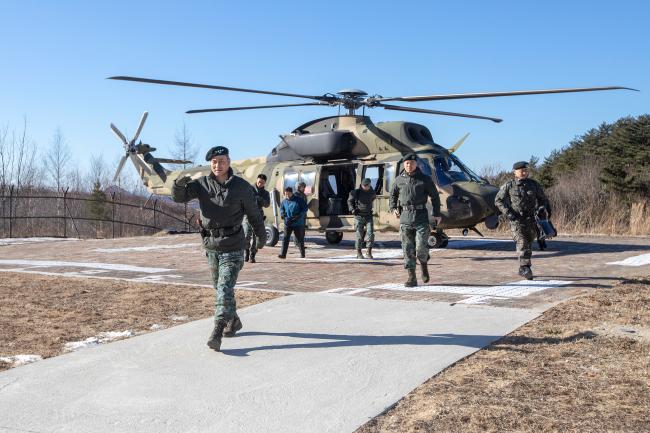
{"x":338,"y":340}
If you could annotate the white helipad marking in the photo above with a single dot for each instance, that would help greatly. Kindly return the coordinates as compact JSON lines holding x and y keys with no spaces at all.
{"x":475,"y":294}
{"x":90,"y":265}
{"x":18,"y":360}
{"x":643,"y":259}
{"x":20,"y":241}
{"x":148,"y":248}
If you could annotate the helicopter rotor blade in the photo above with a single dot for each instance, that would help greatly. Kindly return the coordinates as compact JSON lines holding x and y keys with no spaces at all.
{"x":254,"y":107}
{"x":142,"y":120}
{"x":209,"y":86}
{"x":443,"y":113}
{"x":119,"y":168}
{"x":119,"y":134}
{"x":495,"y":94}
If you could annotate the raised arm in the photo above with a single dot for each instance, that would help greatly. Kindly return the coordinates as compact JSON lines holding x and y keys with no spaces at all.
{"x":185,"y":189}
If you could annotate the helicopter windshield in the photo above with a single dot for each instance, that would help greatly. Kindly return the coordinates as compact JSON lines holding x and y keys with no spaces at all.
{"x":449,"y":169}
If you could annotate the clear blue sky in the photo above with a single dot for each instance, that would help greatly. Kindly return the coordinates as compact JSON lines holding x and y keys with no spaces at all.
{"x":55,"y":57}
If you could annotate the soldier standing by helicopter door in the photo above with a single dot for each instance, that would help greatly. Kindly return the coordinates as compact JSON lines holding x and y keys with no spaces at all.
{"x":518,"y":199}
{"x":224,"y":200}
{"x":263,"y":200}
{"x":408,"y":200}
{"x":360,"y":203}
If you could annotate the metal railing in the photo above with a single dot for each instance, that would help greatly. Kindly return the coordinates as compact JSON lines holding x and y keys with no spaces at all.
{"x":61,"y":214}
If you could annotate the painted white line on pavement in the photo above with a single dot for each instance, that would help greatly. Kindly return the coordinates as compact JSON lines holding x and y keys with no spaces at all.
{"x":643,"y":259}
{"x":90,"y":265}
{"x":475,"y":294}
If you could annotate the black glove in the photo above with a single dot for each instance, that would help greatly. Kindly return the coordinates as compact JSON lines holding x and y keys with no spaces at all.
{"x":513,"y":216}
{"x":261,"y":241}
{"x":356,"y":211}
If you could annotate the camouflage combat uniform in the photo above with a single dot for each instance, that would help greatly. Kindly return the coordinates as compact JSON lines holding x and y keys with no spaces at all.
{"x":263,"y":199}
{"x":360,"y":204}
{"x":410,"y":194}
{"x":223,"y":207}
{"x":518,"y":200}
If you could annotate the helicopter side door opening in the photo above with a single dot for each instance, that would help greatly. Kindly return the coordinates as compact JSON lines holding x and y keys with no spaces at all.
{"x":335,"y":185}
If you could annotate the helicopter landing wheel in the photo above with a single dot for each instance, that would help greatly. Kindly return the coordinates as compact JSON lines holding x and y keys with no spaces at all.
{"x":272,"y":236}
{"x":438,"y":240}
{"x":334,"y":237}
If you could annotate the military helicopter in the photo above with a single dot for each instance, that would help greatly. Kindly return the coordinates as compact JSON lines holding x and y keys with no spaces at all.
{"x":331,"y":155}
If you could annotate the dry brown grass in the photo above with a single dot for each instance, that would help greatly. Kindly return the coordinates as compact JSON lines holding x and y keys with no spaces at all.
{"x":577,"y":368}
{"x":39,"y":314}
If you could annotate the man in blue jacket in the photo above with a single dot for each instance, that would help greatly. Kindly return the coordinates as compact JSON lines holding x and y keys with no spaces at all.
{"x":293,"y":211}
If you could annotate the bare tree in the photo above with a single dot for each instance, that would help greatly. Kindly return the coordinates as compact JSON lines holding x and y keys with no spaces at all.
{"x":17,"y":159}
{"x":183,"y":147}
{"x":57,"y":159}
{"x":98,"y":174}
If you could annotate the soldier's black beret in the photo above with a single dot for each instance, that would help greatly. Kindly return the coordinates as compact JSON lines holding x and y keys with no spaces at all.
{"x":216,"y":151}
{"x":262,"y":176}
{"x":520,"y":164}
{"x":410,"y":157}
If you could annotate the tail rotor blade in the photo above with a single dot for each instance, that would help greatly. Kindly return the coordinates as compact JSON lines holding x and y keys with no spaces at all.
{"x":119,"y":134}
{"x":119,"y":168}
{"x":142,"y":120}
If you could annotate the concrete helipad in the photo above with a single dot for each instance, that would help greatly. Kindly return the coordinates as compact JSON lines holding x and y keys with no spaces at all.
{"x":349,"y":341}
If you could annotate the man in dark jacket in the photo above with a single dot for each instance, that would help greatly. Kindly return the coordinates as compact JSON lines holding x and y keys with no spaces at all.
{"x":224,"y":199}
{"x":518,"y":199}
{"x":293,"y":211}
{"x":408,"y":200}
{"x":360,"y":204}
{"x":263,"y":200}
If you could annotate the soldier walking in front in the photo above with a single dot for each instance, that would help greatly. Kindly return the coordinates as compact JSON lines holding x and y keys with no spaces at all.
{"x":408,"y":200}
{"x":224,"y":199}
{"x":360,"y":203}
{"x":518,"y":199}
{"x":263,"y":200}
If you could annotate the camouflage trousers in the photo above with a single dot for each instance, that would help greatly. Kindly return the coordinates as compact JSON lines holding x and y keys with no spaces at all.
{"x":225,"y":268}
{"x":524,"y":235}
{"x":364,"y":226}
{"x":414,"y":238}
{"x":250,"y":238}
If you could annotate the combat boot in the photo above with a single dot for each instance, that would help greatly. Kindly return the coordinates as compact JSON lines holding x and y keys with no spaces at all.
{"x":359,"y":254}
{"x":246,"y":255}
{"x":232,"y":326}
{"x":252,"y":257}
{"x":412,"y":281}
{"x":215,"y":338}
{"x":526,"y":272}
{"x":369,"y":253}
{"x":425,"y":271}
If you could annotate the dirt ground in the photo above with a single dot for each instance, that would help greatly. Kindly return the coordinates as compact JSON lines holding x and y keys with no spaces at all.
{"x":583,"y":366}
{"x":39,"y":314}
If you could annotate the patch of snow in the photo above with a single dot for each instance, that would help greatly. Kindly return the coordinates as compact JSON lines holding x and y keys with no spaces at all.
{"x":89,"y":265}
{"x":20,"y":241}
{"x":156,"y":327}
{"x":18,"y":360}
{"x":643,"y":259}
{"x":179,"y":318}
{"x":148,"y":248}
{"x":102,"y":337}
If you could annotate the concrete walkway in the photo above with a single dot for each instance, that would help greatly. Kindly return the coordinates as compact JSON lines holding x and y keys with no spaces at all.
{"x":303,"y":363}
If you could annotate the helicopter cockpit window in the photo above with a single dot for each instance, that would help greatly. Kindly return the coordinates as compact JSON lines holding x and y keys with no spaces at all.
{"x":389,"y":173}
{"x":450,"y":169}
{"x":309,"y":178}
{"x":424,"y":167}
{"x":290,"y":179}
{"x":376,"y":175}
